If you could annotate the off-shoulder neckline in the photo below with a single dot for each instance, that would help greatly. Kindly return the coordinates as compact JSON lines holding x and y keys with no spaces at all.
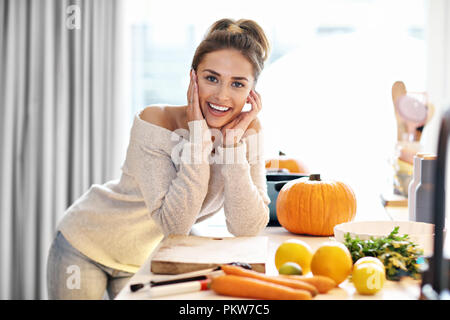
{"x":146,"y":123}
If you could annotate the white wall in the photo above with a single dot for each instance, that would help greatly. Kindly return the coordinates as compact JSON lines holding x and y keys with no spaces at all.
{"x":438,"y":65}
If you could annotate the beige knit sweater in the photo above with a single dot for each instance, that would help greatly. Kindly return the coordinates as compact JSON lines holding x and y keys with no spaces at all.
{"x":170,"y":181}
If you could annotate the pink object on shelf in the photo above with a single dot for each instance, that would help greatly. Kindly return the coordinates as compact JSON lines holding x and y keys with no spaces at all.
{"x":412,"y":110}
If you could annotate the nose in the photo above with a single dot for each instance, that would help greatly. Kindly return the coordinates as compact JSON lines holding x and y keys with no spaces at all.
{"x":222,"y":94}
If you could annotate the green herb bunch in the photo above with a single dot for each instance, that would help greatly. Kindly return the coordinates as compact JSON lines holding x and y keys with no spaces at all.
{"x":398,"y":253}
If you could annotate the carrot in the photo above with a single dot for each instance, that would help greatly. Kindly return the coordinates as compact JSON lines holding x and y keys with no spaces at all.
{"x":294,"y":284}
{"x":323,"y":284}
{"x":245,"y":287}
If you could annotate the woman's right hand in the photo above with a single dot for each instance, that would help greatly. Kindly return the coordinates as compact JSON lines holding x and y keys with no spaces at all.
{"x":193,"y":111}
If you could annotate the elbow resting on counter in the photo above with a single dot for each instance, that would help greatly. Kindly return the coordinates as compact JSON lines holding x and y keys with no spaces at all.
{"x":249,"y":228}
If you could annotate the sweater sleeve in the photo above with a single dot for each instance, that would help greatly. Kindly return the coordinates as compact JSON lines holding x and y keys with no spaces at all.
{"x":246,"y":200}
{"x":174,"y":199}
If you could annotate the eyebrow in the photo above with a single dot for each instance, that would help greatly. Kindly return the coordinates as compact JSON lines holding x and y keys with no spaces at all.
{"x":218,"y":74}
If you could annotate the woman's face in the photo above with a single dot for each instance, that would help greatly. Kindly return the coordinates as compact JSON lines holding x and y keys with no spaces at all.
{"x":225,"y":78}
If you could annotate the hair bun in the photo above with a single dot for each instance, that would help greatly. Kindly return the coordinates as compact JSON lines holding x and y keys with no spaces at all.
{"x":234,"y":28}
{"x":222,"y":24}
{"x":246,"y":26}
{"x":254,"y":30}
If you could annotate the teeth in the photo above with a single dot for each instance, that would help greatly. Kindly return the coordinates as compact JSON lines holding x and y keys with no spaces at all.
{"x":217,"y":107}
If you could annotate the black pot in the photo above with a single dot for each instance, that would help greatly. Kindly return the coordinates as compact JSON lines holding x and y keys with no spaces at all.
{"x":276,"y":181}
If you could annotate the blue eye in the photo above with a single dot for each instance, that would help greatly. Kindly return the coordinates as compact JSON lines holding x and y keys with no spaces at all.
{"x":234,"y":84}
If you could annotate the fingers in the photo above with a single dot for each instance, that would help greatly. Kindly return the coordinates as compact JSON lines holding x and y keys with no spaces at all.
{"x":194,"y":111}
{"x":230,"y":124}
{"x":255,"y":100}
{"x":195,"y":88}
{"x":241,"y":123}
{"x":245,"y":118}
{"x":195,"y":97}
{"x":189,"y":91}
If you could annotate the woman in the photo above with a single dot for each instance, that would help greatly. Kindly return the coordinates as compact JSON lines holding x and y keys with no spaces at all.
{"x":183,"y":165}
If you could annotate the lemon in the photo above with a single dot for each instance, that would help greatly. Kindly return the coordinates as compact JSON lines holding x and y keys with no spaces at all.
{"x":294,"y":250}
{"x":290,"y":268}
{"x":369,"y":260}
{"x":332,"y":259}
{"x":368,"y":278}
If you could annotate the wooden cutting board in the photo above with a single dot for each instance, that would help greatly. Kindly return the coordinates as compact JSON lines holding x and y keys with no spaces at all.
{"x":180,"y":254}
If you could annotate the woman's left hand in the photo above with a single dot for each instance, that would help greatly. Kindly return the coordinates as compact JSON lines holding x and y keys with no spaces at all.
{"x":233,"y":131}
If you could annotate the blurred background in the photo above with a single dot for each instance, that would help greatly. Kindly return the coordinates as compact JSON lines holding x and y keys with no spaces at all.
{"x":73,"y":74}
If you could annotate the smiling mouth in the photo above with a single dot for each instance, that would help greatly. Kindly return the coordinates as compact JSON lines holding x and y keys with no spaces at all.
{"x":217,"y":109}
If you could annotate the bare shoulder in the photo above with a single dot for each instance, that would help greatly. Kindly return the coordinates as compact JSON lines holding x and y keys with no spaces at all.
{"x":156,"y":115}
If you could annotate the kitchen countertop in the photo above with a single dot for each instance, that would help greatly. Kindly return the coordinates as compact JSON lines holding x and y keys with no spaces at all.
{"x":407,"y":289}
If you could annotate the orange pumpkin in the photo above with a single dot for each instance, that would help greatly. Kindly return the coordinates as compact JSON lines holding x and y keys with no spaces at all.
{"x":283,"y":162}
{"x":313,"y":206}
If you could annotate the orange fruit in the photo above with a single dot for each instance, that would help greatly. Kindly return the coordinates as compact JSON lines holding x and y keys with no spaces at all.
{"x":332,"y":259}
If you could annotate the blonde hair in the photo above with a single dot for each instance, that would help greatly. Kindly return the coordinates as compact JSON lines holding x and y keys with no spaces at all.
{"x":243,"y":35}
{"x":234,"y":28}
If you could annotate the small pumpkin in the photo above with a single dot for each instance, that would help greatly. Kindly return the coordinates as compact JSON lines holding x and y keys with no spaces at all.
{"x":313,"y":206}
{"x":284,"y":162}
